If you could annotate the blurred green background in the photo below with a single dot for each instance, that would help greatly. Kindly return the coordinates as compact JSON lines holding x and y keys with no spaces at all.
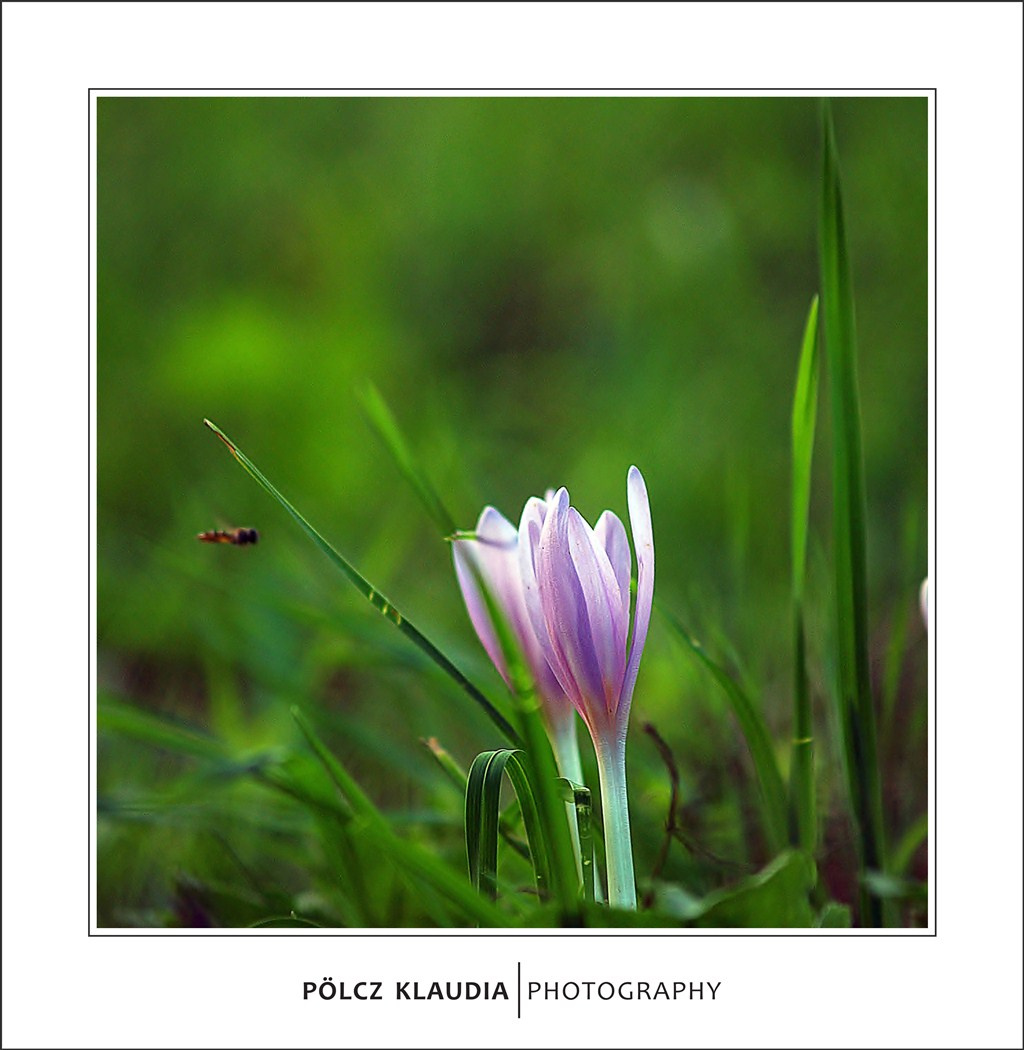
{"x":545,"y":290}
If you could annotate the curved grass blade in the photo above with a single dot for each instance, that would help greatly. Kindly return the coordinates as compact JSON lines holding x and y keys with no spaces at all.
{"x":386,"y":426}
{"x":507,"y":821}
{"x":519,"y":775}
{"x":410,"y":859}
{"x":579,"y":797}
{"x":483,"y":820}
{"x":856,"y":706}
{"x":805,"y":405}
{"x":474,"y":814}
{"x":376,"y":599}
{"x":755,"y":731}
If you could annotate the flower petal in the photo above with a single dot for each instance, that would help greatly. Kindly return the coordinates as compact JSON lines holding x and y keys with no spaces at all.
{"x":643,"y":542}
{"x":600,"y":588}
{"x":611,"y":534}
{"x":564,"y":608}
{"x":493,"y":553}
{"x":531,"y":525}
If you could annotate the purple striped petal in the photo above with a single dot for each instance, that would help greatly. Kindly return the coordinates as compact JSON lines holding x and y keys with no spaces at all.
{"x":531,"y":526}
{"x":600,"y":588}
{"x":564,"y":606}
{"x":611,"y":534}
{"x":643,"y":541}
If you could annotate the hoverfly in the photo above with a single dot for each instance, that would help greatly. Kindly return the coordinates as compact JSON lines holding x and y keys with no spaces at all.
{"x":239,"y":537}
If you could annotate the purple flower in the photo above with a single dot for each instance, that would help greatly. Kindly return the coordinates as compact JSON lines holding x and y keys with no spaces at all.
{"x":564,"y":589}
{"x":576,"y":585}
{"x":494,"y":553}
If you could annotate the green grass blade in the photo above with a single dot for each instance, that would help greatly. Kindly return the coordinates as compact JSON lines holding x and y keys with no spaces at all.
{"x":580,"y":799}
{"x":483,"y":819}
{"x":413,"y":861}
{"x":805,"y":410}
{"x":474,"y":813}
{"x":508,"y":820}
{"x":519,"y":775}
{"x":491,"y":806}
{"x":387,"y":429}
{"x":805,"y":407}
{"x":158,"y":731}
{"x":451,"y":769}
{"x":908,"y":845}
{"x":376,"y":599}
{"x":856,"y":710}
{"x":755,"y":731}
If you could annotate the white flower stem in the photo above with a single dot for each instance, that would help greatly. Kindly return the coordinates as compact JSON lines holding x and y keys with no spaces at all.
{"x":618,"y":846}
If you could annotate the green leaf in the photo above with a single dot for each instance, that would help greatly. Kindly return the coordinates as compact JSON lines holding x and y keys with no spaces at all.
{"x":579,"y":796}
{"x":834,"y":916}
{"x":483,"y":816}
{"x":755,"y":732}
{"x":856,"y":709}
{"x":904,"y":851}
{"x":376,"y":599}
{"x":893,"y":887}
{"x":158,"y":731}
{"x":775,"y":897}
{"x":805,"y":407}
{"x":386,"y":426}
{"x":805,"y":410}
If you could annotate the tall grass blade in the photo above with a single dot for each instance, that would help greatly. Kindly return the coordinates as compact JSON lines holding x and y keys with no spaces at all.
{"x":376,"y":599}
{"x":755,"y":732}
{"x":856,"y":710}
{"x":508,"y":820}
{"x":385,"y":425}
{"x":579,"y":797}
{"x":803,"y":822}
{"x":483,"y":819}
{"x":158,"y":731}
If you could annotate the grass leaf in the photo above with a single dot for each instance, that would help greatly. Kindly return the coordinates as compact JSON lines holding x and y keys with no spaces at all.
{"x":805,"y":407}
{"x":483,"y":818}
{"x":387,"y":429}
{"x":755,"y":732}
{"x":376,"y":599}
{"x":412,"y":860}
{"x":856,"y":709}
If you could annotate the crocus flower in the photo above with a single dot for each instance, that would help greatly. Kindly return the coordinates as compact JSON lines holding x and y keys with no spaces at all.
{"x":569,"y":605}
{"x":493,"y":553}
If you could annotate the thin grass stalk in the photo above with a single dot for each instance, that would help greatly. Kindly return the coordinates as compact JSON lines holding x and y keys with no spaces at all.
{"x":755,"y":732}
{"x":385,"y":607}
{"x":383,"y":421}
{"x":803,"y":813}
{"x":856,"y":708}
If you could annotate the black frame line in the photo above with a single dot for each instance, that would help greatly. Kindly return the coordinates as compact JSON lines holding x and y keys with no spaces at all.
{"x":421,"y":932}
